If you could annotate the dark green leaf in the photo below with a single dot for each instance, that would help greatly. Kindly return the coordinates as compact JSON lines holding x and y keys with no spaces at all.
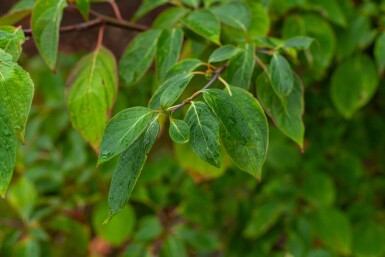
{"x":170,"y":17}
{"x":333,"y":228}
{"x":93,"y":88}
{"x":228,"y":113}
{"x":331,"y":9}
{"x":84,"y":8}
{"x":192,"y":3}
{"x":174,"y":88}
{"x":241,"y":67}
{"x":138,"y":56}
{"x":289,"y":119}
{"x":379,"y":52}
{"x":224,"y":53}
{"x":173,"y":247}
{"x":249,"y":157}
{"x":354,"y":83}
{"x":234,"y":14}
{"x":168,"y":51}
{"x":16,"y":92}
{"x":8,"y":148}
{"x":18,"y":12}
{"x":22,"y":196}
{"x":281,"y":75}
{"x":204,"y":133}
{"x":129,"y":167}
{"x":179,"y":131}
{"x":147,"y":6}
{"x":299,"y":42}
{"x":205,"y":24}
{"x":368,"y":239}
{"x":46,"y":18}
{"x":123,"y":130}
{"x":11,"y":39}
{"x":260,"y":20}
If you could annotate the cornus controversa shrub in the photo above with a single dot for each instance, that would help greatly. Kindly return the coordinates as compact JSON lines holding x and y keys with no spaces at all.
{"x":249,"y":73}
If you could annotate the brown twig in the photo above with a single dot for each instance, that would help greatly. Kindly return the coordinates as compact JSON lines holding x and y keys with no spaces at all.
{"x":99,"y":21}
{"x":217,"y":73}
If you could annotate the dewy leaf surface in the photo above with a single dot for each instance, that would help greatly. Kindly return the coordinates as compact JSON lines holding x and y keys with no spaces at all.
{"x":179,"y":131}
{"x":138,"y":56}
{"x":224,"y":53}
{"x":204,"y":133}
{"x":174,"y":88}
{"x":11,"y":39}
{"x":354,"y":83}
{"x":93,"y":88}
{"x":8,"y":148}
{"x":281,"y":75}
{"x":234,"y":14}
{"x":16,"y":92}
{"x":168,"y":51}
{"x":252,"y":156}
{"x":241,"y":67}
{"x":289,"y":119}
{"x":129,"y":167}
{"x":228,"y":113}
{"x":46,"y":18}
{"x":205,"y":24}
{"x":122,"y":131}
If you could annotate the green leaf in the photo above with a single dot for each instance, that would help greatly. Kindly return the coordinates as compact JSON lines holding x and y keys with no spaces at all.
{"x":84,"y":8}
{"x":205,"y":24}
{"x":169,"y":18}
{"x":260,"y":20}
{"x":22,"y":196}
{"x":46,"y":18}
{"x":241,"y":67}
{"x":298,"y":42}
{"x":281,"y":75}
{"x":228,"y":113}
{"x":119,"y":229}
{"x":234,"y":14}
{"x":129,"y":167}
{"x":8,"y":149}
{"x":289,"y":119}
{"x":185,"y":66}
{"x":168,"y":51}
{"x":379,"y":52}
{"x":192,"y":3}
{"x":368,"y":239}
{"x":174,"y":88}
{"x":91,"y":95}
{"x":173,"y":247}
{"x":179,"y":131}
{"x":16,"y":92}
{"x":224,"y":53}
{"x":11,"y":39}
{"x":147,"y":6}
{"x":353,"y":84}
{"x":138,"y":56}
{"x":333,"y":228}
{"x":123,"y":130}
{"x":250,"y":157}
{"x":331,"y":9}
{"x":18,"y":12}
{"x":204,"y":133}
{"x":262,"y":219}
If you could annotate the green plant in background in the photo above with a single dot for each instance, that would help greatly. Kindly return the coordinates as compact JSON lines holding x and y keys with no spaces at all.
{"x":207,"y":72}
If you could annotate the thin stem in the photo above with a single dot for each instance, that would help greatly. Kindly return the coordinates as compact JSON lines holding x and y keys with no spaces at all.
{"x":217,"y":73}
{"x":100,"y":37}
{"x":226,"y":85}
{"x":263,"y":66}
{"x":99,"y":21}
{"x":116,"y":9}
{"x":199,"y":73}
